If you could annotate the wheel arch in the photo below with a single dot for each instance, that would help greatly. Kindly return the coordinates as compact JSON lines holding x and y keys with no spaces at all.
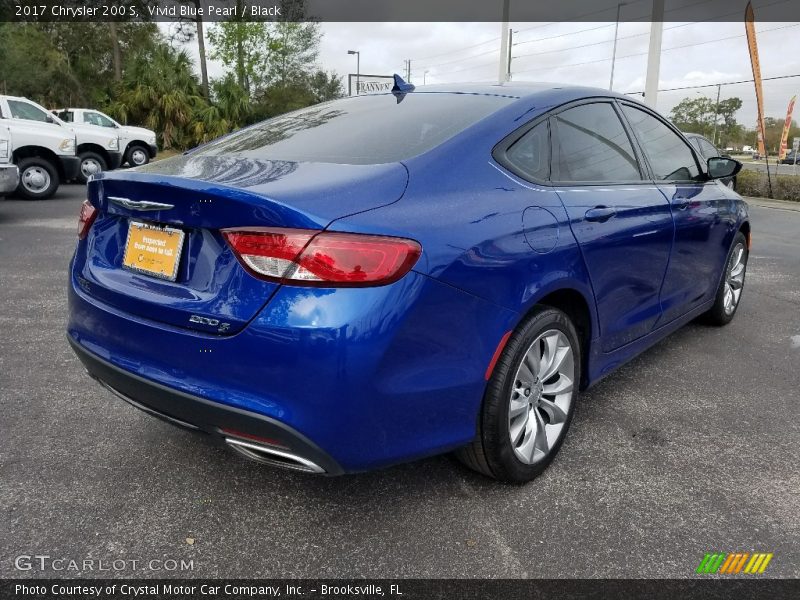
{"x":97,"y":149}
{"x":744,"y":227}
{"x":39,"y":152}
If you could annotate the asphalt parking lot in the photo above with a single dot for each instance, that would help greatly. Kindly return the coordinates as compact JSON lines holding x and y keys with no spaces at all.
{"x":691,"y":448}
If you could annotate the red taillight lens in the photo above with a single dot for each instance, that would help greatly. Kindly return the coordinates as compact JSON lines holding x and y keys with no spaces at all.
{"x":86,"y":218}
{"x":329,"y":259}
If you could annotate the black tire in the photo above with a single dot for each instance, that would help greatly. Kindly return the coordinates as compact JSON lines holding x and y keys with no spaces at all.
{"x":717,"y":314}
{"x":134,"y":148}
{"x":86,"y":157}
{"x":38,"y":167}
{"x":491,"y":453}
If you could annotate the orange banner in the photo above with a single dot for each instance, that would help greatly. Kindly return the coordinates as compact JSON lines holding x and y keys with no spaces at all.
{"x":750,"y":30}
{"x":787,"y":124}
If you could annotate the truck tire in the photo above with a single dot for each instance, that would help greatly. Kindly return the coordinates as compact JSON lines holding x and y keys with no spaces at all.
{"x":137,"y":155}
{"x":38,"y":178}
{"x":91,"y":164}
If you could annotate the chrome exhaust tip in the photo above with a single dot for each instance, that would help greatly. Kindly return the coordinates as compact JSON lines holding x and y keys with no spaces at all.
{"x":273,"y":456}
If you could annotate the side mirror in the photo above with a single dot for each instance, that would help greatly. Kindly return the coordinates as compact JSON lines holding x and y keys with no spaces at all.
{"x":719,"y":167}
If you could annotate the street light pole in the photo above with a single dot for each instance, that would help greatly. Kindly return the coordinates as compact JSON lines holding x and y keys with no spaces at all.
{"x":358,"y":71}
{"x":716,"y":113}
{"x":424,"y":73}
{"x":614,"y":51}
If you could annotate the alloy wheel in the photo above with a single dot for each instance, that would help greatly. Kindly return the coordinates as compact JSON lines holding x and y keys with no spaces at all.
{"x":541,"y":397}
{"x":734,"y":279}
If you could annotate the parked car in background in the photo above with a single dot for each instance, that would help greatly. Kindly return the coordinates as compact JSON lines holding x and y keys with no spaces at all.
{"x":389,"y":276}
{"x":708,"y":150}
{"x":9,"y":173}
{"x":97,"y":148}
{"x":44,"y":151}
{"x":137,"y":144}
{"x":791,"y":158}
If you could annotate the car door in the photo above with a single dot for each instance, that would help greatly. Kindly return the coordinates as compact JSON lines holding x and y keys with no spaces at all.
{"x":703,"y":211}
{"x":620,"y":220}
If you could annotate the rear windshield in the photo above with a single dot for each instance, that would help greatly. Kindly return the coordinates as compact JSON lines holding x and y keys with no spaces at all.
{"x":363,"y":130}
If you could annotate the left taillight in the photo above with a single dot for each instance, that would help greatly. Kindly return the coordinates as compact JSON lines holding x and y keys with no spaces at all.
{"x":86,"y":218}
{"x":322,"y":258}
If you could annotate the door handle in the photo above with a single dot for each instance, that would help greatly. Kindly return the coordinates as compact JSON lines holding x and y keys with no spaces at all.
{"x":681,"y":203}
{"x":600,"y":214}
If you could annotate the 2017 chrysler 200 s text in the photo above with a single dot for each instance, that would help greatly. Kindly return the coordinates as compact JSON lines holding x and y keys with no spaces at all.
{"x":386,"y":277}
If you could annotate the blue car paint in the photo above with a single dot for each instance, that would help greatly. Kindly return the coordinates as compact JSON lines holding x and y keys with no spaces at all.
{"x":381,"y":375}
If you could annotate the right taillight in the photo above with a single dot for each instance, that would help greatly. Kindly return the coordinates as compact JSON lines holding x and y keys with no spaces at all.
{"x":322,"y":258}
{"x":86,"y":218}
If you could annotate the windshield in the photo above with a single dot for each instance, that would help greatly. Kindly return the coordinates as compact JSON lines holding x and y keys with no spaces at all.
{"x":361,"y":130}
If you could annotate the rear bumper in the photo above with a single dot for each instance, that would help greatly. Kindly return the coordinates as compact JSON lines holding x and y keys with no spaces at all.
{"x":369,"y":377}
{"x":9,"y":178}
{"x":70,"y":166}
{"x":237,"y":427}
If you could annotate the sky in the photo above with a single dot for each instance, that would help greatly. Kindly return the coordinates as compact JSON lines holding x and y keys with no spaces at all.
{"x":693,"y":54}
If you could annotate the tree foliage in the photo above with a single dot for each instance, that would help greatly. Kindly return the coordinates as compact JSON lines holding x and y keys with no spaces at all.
{"x":132,"y":71}
{"x":699,"y":115}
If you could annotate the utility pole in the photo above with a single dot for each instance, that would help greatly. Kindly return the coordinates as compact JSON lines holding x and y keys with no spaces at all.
{"x":510,"y":44}
{"x":654,"y":54}
{"x":614,"y":51}
{"x":502,"y":75}
{"x":408,"y":70}
{"x":716,"y":113}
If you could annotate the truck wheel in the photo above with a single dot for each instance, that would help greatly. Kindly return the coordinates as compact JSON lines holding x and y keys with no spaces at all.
{"x":137,"y":156}
{"x":91,"y":164}
{"x":38,"y":178}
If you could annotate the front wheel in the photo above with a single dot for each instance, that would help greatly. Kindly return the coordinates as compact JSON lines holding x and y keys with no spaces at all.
{"x":91,"y":164}
{"x":138,"y":156}
{"x":729,"y":292}
{"x":38,"y":178}
{"x":529,"y":400}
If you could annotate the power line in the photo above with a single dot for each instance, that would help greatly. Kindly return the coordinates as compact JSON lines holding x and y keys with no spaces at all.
{"x":710,"y":85}
{"x":591,"y":62}
{"x":494,"y":39}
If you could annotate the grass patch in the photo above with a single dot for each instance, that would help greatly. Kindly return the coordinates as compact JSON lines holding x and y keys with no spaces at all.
{"x":162,"y":154}
{"x":754,"y":183}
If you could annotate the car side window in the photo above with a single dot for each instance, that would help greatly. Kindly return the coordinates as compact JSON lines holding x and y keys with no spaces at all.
{"x":66,"y":116}
{"x":669,"y":156}
{"x":531,"y":153}
{"x":94,"y":118}
{"x":591,"y":145}
{"x":23,"y":110}
{"x":708,"y":150}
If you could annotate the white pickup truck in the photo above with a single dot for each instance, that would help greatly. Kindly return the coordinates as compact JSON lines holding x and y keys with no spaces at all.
{"x":9,"y":174}
{"x":138,"y":145}
{"x":44,"y":153}
{"x":97,"y":148}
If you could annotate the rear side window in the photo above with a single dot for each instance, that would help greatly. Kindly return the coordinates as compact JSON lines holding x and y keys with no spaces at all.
{"x":368,"y":129}
{"x":67,"y":116}
{"x":531,"y":153}
{"x":669,"y":156}
{"x":592,"y":146}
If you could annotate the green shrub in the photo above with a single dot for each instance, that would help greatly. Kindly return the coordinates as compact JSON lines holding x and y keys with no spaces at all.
{"x":754,"y":183}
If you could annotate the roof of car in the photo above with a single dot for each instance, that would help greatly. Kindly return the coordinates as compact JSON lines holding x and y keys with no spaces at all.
{"x":517,"y":89}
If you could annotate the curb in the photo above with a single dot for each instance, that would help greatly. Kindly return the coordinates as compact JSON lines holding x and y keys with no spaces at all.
{"x":775,"y":204}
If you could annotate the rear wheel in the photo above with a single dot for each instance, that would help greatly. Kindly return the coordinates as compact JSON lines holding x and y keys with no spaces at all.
{"x":529,"y":401}
{"x":38,"y":178}
{"x":729,"y":292}
{"x":91,"y":164}
{"x":138,"y":156}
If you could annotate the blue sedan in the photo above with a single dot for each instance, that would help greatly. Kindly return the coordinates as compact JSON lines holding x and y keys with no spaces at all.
{"x":386,"y":277}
